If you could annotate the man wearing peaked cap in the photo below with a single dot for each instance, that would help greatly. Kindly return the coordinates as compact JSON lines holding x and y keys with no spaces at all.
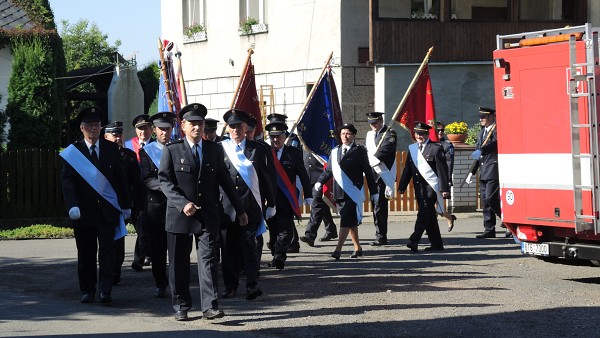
{"x":210,"y":130}
{"x":235,"y":117}
{"x":114,"y":133}
{"x":294,"y":141}
{"x":193,"y":175}
{"x":426,"y":167}
{"x":143,"y":131}
{"x":486,"y":157}
{"x":97,"y":213}
{"x":156,"y":202}
{"x":347,"y":164}
{"x":381,"y":147}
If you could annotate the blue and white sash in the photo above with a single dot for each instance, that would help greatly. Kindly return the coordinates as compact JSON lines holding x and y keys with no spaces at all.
{"x":245,"y":168}
{"x":356,"y":195}
{"x":428,"y":174}
{"x":154,"y":151}
{"x":387,"y":175}
{"x":96,"y":180}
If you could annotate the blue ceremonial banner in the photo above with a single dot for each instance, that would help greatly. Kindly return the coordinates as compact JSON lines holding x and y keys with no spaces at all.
{"x":317,"y":126}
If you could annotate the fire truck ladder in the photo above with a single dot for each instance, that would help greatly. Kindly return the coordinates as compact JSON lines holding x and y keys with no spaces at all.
{"x":266,"y":108}
{"x":585,"y":165}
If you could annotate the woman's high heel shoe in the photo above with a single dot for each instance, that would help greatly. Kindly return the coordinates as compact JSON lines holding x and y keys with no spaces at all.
{"x":357,"y":253}
{"x":451,"y":225}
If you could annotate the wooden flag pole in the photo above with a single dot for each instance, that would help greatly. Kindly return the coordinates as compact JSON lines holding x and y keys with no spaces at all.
{"x":310,"y":96}
{"x":163,"y":68}
{"x":182,"y":90}
{"x":237,"y":88}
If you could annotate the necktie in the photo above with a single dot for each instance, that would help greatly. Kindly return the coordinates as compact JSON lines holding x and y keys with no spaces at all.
{"x":420,"y":147}
{"x":196,"y":156}
{"x":344,"y":151}
{"x":142,"y":144}
{"x":484,"y":135}
{"x":94,"y":155}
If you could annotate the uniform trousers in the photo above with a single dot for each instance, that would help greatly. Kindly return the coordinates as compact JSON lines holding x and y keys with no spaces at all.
{"x":239,"y":245}
{"x":119,"y":257}
{"x":281,"y":231}
{"x":319,"y":211}
{"x":142,"y":242}
{"x":380,"y":213}
{"x":490,"y":200}
{"x":158,"y":244}
{"x":179,"y":248}
{"x":427,"y":220}
{"x":92,"y":241}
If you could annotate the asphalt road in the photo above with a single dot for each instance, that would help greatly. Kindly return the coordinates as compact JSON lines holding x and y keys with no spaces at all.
{"x":475,"y":288}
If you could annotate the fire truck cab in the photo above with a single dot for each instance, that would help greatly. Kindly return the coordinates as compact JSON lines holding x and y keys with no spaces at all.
{"x":546,"y":89}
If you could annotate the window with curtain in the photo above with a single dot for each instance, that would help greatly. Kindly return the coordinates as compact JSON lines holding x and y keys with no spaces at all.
{"x":253,"y":9}
{"x":481,"y":10}
{"x":409,"y":9}
{"x":193,"y":15}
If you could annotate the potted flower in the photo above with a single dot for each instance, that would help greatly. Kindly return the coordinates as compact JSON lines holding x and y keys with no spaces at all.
{"x":456,"y":131}
{"x":195,"y":32}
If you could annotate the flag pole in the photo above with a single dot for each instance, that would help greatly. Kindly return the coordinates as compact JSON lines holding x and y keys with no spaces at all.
{"x":310,"y":95}
{"x":180,"y":78}
{"x":237,"y":88}
{"x":163,"y":68}
{"x":412,"y":84}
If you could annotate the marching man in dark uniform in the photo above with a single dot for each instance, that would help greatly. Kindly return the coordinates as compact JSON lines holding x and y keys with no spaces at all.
{"x":426,"y":166}
{"x":319,"y":210}
{"x":156,"y":202}
{"x":486,"y":155}
{"x":246,"y":162}
{"x":190,"y":173}
{"x":141,"y":253}
{"x":381,"y":146}
{"x":288,"y":165}
{"x":114,"y":133}
{"x":95,"y":192}
{"x":347,"y":164}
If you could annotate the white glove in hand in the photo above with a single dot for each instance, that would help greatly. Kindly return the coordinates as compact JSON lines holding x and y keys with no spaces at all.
{"x":389,"y":192}
{"x":270,"y":212}
{"x":74,"y":213}
{"x":126,"y":213}
{"x":308,"y":201}
{"x":318,"y":186}
{"x":469,"y":178}
{"x":375,"y":198}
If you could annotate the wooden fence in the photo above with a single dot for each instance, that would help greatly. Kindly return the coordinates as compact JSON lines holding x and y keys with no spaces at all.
{"x":30,"y":186}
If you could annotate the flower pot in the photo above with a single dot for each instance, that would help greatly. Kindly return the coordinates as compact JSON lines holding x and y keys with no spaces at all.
{"x":457,"y":138}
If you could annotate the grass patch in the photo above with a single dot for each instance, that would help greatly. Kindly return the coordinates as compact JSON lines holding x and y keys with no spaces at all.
{"x":44,"y":231}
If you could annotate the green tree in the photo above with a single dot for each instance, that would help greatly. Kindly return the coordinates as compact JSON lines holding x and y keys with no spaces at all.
{"x":149,"y":78}
{"x":85,"y":45}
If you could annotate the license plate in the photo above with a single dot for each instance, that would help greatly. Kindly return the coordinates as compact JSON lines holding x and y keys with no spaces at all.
{"x":536,"y":249}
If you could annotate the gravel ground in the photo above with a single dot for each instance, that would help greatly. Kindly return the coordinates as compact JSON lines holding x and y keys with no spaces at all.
{"x":473,"y":288}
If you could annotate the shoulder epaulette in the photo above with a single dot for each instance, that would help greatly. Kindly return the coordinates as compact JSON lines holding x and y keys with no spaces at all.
{"x":179,"y":140}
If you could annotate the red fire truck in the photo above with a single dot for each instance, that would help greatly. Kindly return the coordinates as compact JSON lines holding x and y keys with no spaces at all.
{"x":546,"y":87}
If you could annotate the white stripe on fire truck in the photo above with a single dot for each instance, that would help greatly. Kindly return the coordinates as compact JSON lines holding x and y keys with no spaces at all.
{"x":540,"y":171}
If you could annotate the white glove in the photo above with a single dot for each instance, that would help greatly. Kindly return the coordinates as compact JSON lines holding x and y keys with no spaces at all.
{"x":126,"y":213}
{"x":469,"y":178}
{"x":375,"y":198}
{"x":389,"y":192}
{"x":318,"y":186}
{"x":270,"y":212}
{"x":74,"y":213}
{"x":308,"y":201}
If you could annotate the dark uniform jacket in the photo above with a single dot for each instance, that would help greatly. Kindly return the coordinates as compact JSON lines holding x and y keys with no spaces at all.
{"x":182,"y":182}
{"x":95,"y":210}
{"x":257,"y":154}
{"x":449,"y":154}
{"x":387,"y":150}
{"x":353,"y":164}
{"x":434,"y":155}
{"x":293,"y":164}
{"x":156,"y":201}
{"x":132,"y":172}
{"x":313,"y":167}
{"x":488,"y":162}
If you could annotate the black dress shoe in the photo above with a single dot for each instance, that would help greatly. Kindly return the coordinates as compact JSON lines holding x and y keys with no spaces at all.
{"x":379,"y":243}
{"x":87,"y":297}
{"x":277,"y":263}
{"x":307,"y":240}
{"x":451,"y":226}
{"x":160,"y":293}
{"x":105,"y":298}
{"x":488,"y":234}
{"x":147,"y":261}
{"x":116,"y":279}
{"x":328,"y":237}
{"x":293,"y":249}
{"x":213,"y":314}
{"x":434,"y":248}
{"x":181,"y":315}
{"x":229,"y":294}
{"x":414,"y":247}
{"x":357,"y":253}
{"x":137,"y":267}
{"x":253,"y":293}
{"x":336,"y":254}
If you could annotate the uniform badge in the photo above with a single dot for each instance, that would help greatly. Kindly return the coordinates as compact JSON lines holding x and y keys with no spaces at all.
{"x":182,"y":160}
{"x":391,"y":139}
